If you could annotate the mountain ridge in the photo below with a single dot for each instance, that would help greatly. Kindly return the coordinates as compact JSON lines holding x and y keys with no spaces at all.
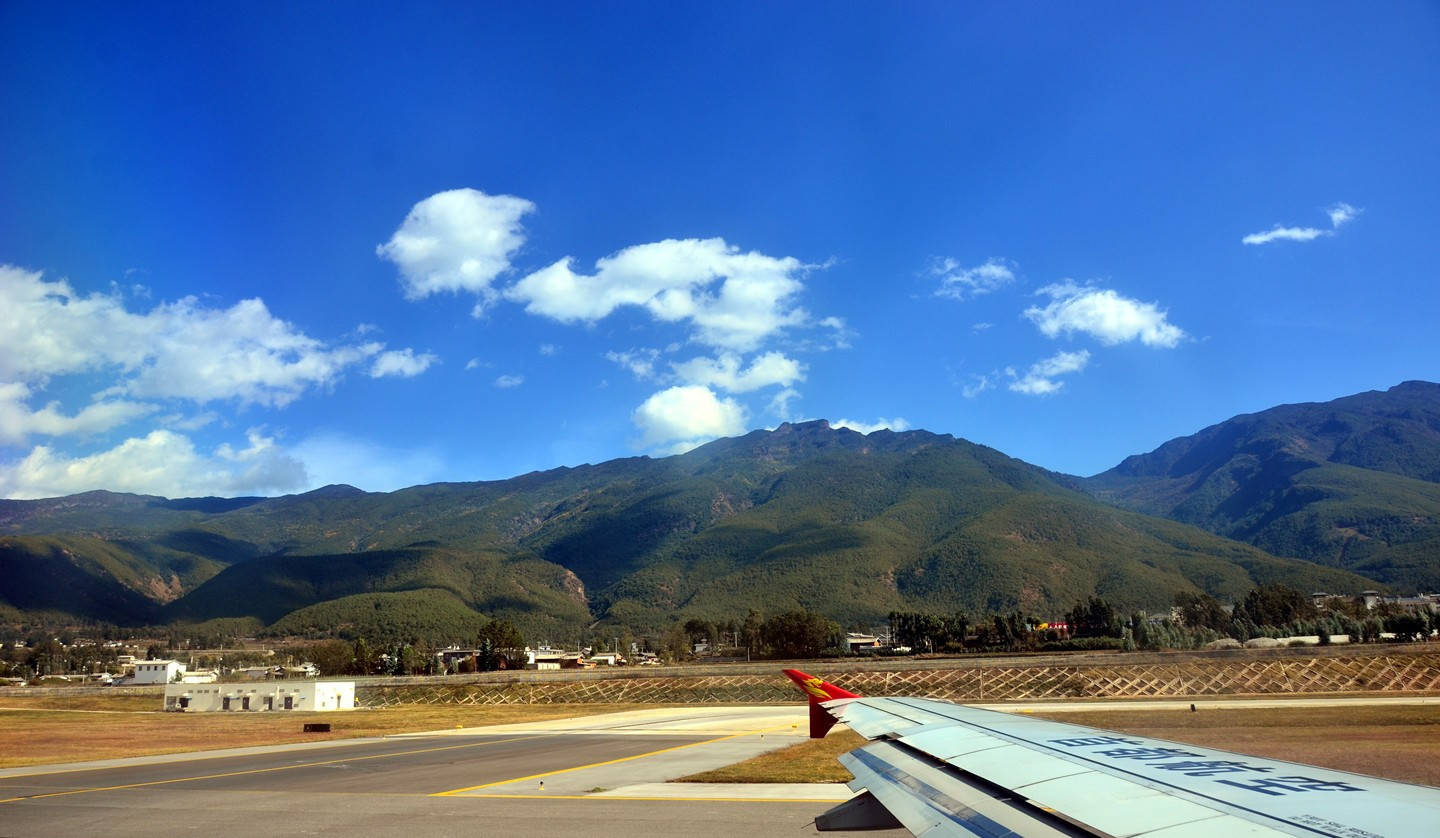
{"x":806,"y":515}
{"x":1353,"y":482}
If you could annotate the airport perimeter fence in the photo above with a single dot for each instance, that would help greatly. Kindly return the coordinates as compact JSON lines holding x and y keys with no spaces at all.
{"x":1188,"y":678}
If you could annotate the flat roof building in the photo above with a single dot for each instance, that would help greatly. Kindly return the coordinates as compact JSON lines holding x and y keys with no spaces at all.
{"x":260,"y":697}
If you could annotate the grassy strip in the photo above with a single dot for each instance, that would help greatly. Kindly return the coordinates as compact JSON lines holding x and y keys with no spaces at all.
{"x":811,"y":761}
{"x":55,"y":735}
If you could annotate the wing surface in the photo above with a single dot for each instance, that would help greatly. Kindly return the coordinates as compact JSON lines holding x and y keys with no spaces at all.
{"x":947,"y":769}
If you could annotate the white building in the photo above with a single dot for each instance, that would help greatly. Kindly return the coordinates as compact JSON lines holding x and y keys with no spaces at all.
{"x":157,"y":672}
{"x":199,"y":676}
{"x":855,"y":642}
{"x":544,"y":658}
{"x":276,"y":695}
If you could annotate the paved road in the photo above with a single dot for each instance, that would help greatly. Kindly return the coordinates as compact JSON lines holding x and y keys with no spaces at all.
{"x":546,"y":779}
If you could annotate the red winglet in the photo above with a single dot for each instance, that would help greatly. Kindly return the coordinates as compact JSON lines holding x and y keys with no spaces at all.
{"x":818,"y":690}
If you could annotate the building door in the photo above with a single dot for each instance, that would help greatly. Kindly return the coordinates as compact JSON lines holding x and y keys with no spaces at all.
{"x":184,"y":702}
{"x":289,"y":702}
{"x":269,"y":702}
{"x":225,"y":705}
{"x":245,"y":703}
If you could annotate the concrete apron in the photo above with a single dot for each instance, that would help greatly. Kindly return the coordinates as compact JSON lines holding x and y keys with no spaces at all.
{"x":738,"y":734}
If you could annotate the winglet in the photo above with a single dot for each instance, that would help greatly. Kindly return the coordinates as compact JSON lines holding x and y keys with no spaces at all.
{"x":818,"y":690}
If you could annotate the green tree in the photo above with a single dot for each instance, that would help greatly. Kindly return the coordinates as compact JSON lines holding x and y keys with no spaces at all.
{"x":361,"y":661}
{"x":503,"y":636}
{"x":750,"y":631}
{"x":1276,"y":605}
{"x":1407,"y":626}
{"x":799,"y":634}
{"x":701,"y":631}
{"x":1200,"y":610}
{"x":675,"y":643}
{"x":332,"y":657}
{"x":1094,"y":617}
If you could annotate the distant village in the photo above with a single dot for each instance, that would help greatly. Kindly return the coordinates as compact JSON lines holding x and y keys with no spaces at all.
{"x":123,"y":665}
{"x":77,"y":659}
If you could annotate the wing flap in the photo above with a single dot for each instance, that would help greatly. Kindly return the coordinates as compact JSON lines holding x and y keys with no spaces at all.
{"x":876,"y":719}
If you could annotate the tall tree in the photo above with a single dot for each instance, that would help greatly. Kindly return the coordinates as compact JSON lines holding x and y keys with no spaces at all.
{"x":1094,"y":617}
{"x":1200,"y":610}
{"x":800,"y":634}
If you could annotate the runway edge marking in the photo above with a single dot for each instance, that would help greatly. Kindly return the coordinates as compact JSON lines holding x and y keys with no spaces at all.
{"x":458,"y":791}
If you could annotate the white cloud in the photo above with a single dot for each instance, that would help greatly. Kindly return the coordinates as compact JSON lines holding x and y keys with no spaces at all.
{"x":1104,"y":315}
{"x":181,"y":350}
{"x":960,"y":283}
{"x":897,"y":424}
{"x":640,"y":362}
{"x":18,"y":422}
{"x":180,"y":422}
{"x":977,"y":328}
{"x":505,"y":382}
{"x":1340,"y":213}
{"x":978,"y":384}
{"x":1279,"y":233}
{"x":159,"y":463}
{"x":734,"y":300}
{"x":780,"y":404}
{"x":840,"y":336}
{"x":459,"y":240}
{"x":549,"y":349}
{"x":725,"y":372}
{"x":686,"y":416}
{"x":401,"y":362}
{"x":1039,"y":380}
{"x":242,"y":353}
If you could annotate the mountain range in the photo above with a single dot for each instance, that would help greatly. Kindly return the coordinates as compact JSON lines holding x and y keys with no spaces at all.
{"x":1341,"y":496}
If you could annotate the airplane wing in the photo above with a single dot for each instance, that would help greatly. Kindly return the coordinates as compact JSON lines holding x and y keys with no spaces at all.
{"x":943,"y":769}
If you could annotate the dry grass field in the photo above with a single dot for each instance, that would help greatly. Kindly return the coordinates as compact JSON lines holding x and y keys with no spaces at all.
{"x":1396,"y":742}
{"x":65,"y":729}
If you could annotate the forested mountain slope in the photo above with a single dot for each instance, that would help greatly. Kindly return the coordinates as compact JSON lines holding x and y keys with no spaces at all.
{"x":1352,"y":483}
{"x":806,"y":515}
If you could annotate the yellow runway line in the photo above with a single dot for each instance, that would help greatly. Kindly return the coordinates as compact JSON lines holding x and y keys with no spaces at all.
{"x":259,"y":770}
{"x":606,"y":762}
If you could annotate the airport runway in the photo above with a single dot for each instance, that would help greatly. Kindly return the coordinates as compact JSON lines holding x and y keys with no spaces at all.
{"x":595,"y":777}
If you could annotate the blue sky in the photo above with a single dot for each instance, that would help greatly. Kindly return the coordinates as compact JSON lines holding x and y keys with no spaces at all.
{"x":255,"y":251}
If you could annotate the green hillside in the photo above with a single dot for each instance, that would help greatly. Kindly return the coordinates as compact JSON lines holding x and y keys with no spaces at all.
{"x":850,"y":525}
{"x":428,"y":616}
{"x":88,"y":578}
{"x":526,"y":590}
{"x":1348,"y":484}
